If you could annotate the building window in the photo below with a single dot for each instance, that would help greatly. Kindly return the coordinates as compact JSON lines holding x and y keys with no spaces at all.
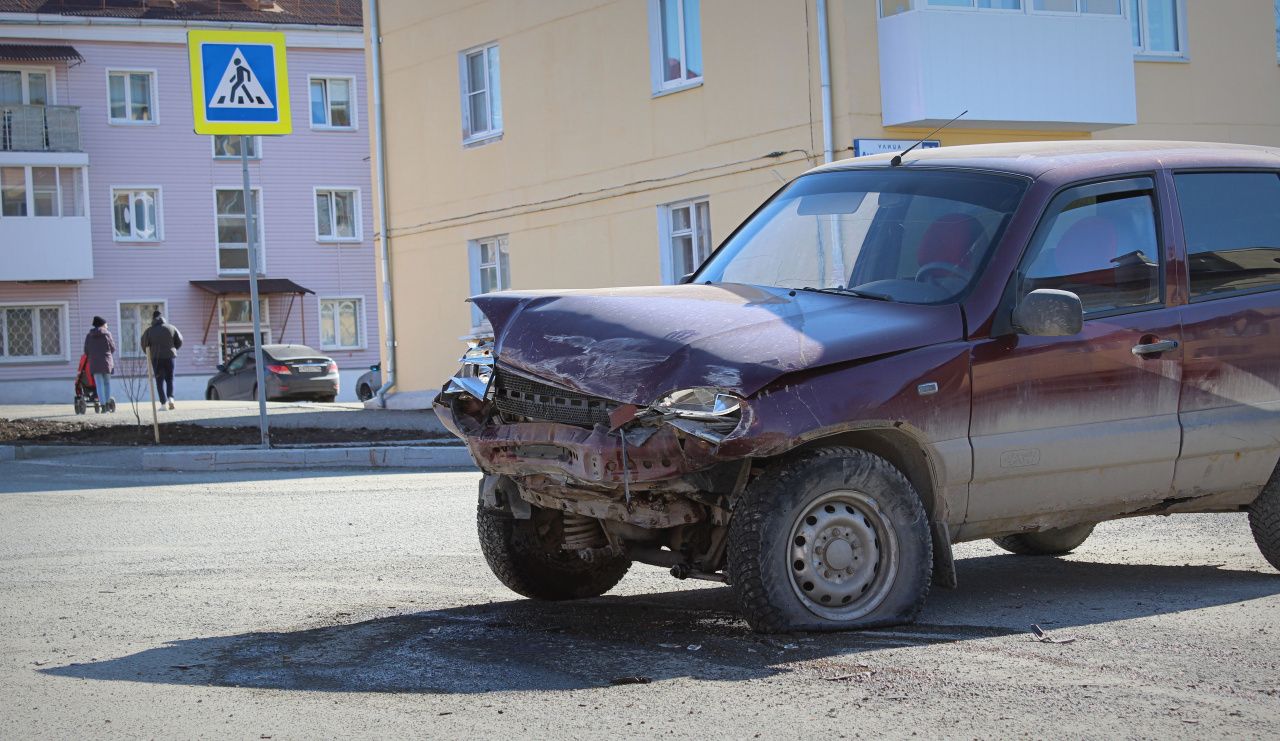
{"x":675,"y":41}
{"x":41,"y":191}
{"x":131,"y":96}
{"x":31,"y":333}
{"x":26,"y":86}
{"x":228,"y":147}
{"x":490,"y":270}
{"x":136,"y":214}
{"x":481,"y":94}
{"x":340,"y":324}
{"x":1157,"y":27}
{"x":332,"y":105}
{"x":337,"y":215}
{"x":1099,"y":7}
{"x":233,"y":236}
{"x":236,"y":332}
{"x":686,"y":237}
{"x":135,"y":317}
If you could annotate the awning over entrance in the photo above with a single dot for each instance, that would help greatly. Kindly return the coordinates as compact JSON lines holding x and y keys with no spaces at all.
{"x":235,"y":336}
{"x":39,"y":53}
{"x":223,"y":286}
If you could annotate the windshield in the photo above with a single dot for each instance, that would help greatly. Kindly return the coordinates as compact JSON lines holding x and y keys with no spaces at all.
{"x":916,"y":236}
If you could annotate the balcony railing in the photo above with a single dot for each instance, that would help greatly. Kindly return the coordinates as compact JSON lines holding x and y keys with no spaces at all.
{"x":39,"y":128}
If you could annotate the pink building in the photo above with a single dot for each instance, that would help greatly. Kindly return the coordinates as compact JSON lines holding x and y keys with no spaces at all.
{"x":111,"y":206}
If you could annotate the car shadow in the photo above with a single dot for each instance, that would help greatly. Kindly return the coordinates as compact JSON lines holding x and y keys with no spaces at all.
{"x":524,"y":645}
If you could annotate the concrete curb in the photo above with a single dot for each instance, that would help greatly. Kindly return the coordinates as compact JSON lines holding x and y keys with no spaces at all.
{"x":438,"y":456}
{"x":28,"y":452}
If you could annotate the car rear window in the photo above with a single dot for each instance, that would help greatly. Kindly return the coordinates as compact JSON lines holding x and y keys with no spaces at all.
{"x":1231,"y":221}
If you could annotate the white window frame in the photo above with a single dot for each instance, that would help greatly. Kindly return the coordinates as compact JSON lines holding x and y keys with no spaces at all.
{"x":128,"y":105}
{"x":257,"y":148}
{"x":24,"y":71}
{"x":471,"y":135}
{"x":328,"y":110}
{"x":63,"y":307}
{"x":356,"y":217}
{"x":478,"y":320}
{"x":362,"y":339}
{"x":666,"y":234}
{"x":262,"y":231}
{"x":657,"y":61}
{"x":1142,"y":53}
{"x":116,"y":189}
{"x":29,"y":186}
{"x":145,"y":321}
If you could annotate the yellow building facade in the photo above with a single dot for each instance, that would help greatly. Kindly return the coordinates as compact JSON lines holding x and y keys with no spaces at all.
{"x":587,"y":143}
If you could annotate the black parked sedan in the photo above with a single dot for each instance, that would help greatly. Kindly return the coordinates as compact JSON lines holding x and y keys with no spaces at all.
{"x":291,"y":372}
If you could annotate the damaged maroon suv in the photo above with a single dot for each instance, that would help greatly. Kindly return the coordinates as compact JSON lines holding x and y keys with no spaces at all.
{"x":890,"y":356}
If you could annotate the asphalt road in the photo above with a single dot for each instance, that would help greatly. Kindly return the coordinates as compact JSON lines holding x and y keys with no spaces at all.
{"x":263,"y":605}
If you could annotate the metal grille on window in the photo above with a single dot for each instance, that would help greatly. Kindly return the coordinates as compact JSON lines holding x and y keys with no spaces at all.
{"x":50,"y":332}
{"x":22,"y":341}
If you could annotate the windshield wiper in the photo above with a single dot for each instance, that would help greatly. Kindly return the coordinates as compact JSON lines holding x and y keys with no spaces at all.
{"x":851,"y":292}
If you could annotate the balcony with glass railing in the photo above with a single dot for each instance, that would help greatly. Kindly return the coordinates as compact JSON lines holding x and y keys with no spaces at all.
{"x":39,"y":128}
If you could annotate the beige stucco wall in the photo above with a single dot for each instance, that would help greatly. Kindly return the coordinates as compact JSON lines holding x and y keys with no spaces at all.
{"x":589,"y":154}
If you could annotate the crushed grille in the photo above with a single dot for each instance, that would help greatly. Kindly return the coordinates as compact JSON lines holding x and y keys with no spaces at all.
{"x":518,"y":396}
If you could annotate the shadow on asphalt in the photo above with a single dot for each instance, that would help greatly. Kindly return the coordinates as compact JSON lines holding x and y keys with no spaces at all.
{"x":524,"y":645}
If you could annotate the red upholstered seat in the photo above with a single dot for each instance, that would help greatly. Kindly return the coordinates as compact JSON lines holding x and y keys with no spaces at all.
{"x":949,"y":240}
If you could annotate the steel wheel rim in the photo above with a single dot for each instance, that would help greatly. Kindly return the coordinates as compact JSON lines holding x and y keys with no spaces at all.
{"x":842,"y":555}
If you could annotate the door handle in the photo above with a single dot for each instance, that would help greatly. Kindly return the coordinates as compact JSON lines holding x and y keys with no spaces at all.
{"x":1155,"y":348}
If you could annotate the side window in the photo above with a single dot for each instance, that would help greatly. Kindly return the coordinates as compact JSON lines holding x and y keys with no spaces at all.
{"x":1231,"y":221}
{"x":1099,"y":242}
{"x":238,"y":362}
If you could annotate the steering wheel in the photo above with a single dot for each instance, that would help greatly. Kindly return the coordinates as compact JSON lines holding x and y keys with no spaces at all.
{"x":944,"y":267}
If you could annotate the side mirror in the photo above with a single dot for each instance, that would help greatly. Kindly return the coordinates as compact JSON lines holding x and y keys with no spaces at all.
{"x":222,"y":368}
{"x":375,"y":367}
{"x":1047,"y":312}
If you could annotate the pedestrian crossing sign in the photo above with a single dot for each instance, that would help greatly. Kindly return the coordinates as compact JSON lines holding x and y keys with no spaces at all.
{"x":239,"y":82}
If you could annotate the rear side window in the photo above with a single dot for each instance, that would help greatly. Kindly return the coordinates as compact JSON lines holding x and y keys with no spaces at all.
{"x":1231,"y":221}
{"x":1099,"y":242}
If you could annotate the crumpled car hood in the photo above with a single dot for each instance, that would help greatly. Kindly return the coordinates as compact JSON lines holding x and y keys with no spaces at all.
{"x":634,"y":345}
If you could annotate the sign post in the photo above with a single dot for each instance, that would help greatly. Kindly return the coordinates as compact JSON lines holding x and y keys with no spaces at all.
{"x":240,"y":87}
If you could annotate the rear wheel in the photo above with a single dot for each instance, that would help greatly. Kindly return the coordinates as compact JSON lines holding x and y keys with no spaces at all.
{"x":81,"y":407}
{"x":1264,"y":521}
{"x":832,"y":539}
{"x":1056,"y":542}
{"x":364,"y":393}
{"x":526,"y":556}
{"x":326,"y":399}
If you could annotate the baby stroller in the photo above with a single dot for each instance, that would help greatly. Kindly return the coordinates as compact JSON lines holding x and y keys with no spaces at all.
{"x":87,"y":391}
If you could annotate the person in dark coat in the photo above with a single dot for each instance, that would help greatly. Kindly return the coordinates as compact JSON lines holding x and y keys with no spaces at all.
{"x":100,"y":349}
{"x":163,"y":340}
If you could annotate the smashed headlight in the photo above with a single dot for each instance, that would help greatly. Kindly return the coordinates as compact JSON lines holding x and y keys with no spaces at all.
{"x":706,"y":413}
{"x":477,"y":370}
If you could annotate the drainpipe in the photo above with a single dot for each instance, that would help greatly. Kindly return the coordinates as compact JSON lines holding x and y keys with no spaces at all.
{"x":828,"y":147}
{"x":379,"y":151}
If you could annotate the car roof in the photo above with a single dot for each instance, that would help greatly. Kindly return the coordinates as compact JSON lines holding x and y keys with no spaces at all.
{"x":1037,"y":158}
{"x":285,"y":352}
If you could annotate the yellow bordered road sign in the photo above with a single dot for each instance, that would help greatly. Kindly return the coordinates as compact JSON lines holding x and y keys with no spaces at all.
{"x":239,"y":82}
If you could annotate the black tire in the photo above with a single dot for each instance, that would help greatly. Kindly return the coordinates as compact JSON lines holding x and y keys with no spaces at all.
{"x":1264,"y":520}
{"x":326,"y":399}
{"x":779,"y":549}
{"x":81,"y":407}
{"x":364,"y":393}
{"x":534,"y":566}
{"x":1057,"y":542}
{"x":212,"y":394}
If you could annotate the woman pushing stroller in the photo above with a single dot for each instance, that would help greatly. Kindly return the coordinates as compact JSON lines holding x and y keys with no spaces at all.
{"x":100,"y":350}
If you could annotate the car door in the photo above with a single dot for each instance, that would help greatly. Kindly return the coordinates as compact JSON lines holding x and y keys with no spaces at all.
{"x":1230,"y":408}
{"x":1088,"y":423}
{"x":231,"y":385}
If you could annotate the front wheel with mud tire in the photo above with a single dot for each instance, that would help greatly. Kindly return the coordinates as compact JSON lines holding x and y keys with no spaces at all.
{"x":526,"y":556}
{"x":1056,"y":542}
{"x":1264,"y":520}
{"x":830,"y":539}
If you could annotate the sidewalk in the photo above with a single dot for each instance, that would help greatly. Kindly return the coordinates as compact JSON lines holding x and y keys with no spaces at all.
{"x":229,"y":458}
{"x":241,"y":414}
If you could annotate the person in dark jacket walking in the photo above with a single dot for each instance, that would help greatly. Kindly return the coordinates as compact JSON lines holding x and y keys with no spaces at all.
{"x":163,"y":339}
{"x":100,"y":349}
